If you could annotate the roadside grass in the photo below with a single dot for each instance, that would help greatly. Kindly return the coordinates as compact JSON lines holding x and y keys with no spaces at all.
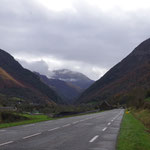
{"x":31,"y":119}
{"x":80,"y":114}
{"x":147,"y":99}
{"x":37,"y":118}
{"x":133,"y":134}
{"x":144,"y":116}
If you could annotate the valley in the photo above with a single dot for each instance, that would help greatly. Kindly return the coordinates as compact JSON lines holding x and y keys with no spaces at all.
{"x":28,"y":97}
{"x":74,"y":75}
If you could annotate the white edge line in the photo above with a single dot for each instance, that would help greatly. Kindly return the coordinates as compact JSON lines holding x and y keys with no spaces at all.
{"x":104,"y":129}
{"x":6,"y":143}
{"x":75,"y":122}
{"x":26,"y":137}
{"x":109,"y":123}
{"x":81,"y":120}
{"x":116,"y":116}
{"x":66,"y":125}
{"x":94,"y":138}
{"x":54,"y":129}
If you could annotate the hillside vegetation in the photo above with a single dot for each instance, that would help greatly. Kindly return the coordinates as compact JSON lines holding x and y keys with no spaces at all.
{"x":67,"y":84}
{"x":144,"y":116}
{"x":125,"y":83}
{"x":22,"y":83}
{"x":8,"y":79}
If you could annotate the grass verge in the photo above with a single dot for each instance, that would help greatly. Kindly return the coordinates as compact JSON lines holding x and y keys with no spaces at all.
{"x":133,"y":134}
{"x":143,"y":115}
{"x":31,"y":119}
{"x":38,"y":118}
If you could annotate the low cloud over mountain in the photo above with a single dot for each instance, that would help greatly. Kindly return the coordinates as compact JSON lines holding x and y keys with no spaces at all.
{"x":88,"y":35}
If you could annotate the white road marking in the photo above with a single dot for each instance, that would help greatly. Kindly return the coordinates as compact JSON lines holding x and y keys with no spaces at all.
{"x":66,"y":125}
{"x":81,"y":120}
{"x":54,"y":129}
{"x":6,"y":143}
{"x":26,"y":137}
{"x":84,"y":119}
{"x":29,"y":125}
{"x":75,"y":122}
{"x":109,"y":123}
{"x":117,"y":116}
{"x":2,"y":130}
{"x":94,"y":138}
{"x":104,"y":129}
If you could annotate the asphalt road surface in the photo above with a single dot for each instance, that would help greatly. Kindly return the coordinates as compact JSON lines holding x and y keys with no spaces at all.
{"x":97,"y":131}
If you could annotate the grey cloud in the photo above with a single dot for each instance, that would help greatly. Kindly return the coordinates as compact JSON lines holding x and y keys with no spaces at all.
{"x":89,"y":35}
{"x":38,"y":66}
{"x":46,"y":68}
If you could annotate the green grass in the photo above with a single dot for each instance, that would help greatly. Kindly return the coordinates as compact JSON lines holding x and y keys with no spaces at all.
{"x":37,"y":118}
{"x":147,"y":99}
{"x":75,"y":115}
{"x":32,"y":119}
{"x":143,"y":115}
{"x":133,"y":135}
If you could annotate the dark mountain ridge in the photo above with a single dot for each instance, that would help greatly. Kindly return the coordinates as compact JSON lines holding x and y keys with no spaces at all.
{"x":76,"y":78}
{"x":32,"y":89}
{"x":129,"y":74}
{"x":67,"y":91}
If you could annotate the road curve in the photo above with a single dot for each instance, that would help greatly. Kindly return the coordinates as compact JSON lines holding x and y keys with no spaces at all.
{"x":88,"y":132}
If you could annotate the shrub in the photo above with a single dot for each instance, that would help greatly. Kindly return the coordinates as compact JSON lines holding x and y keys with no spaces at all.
{"x":11,"y":117}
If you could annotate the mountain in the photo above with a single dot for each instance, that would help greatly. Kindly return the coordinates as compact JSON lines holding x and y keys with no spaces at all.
{"x":75,"y":78}
{"x":16,"y":81}
{"x":67,"y":91}
{"x":125,"y":82}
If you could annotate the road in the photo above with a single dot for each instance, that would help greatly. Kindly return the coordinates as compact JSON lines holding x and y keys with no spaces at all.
{"x":88,"y":132}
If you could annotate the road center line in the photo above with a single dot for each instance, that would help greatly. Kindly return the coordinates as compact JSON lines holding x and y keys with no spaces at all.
{"x":6,"y":143}
{"x":84,"y":119}
{"x":66,"y":125}
{"x":94,"y":138}
{"x":81,"y":120}
{"x":116,"y":116}
{"x":75,"y":122}
{"x":109,"y":123}
{"x":26,"y":137}
{"x":104,"y":129}
{"x":54,"y":129}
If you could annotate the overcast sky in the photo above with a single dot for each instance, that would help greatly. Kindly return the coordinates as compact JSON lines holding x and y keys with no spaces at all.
{"x":89,"y":36}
